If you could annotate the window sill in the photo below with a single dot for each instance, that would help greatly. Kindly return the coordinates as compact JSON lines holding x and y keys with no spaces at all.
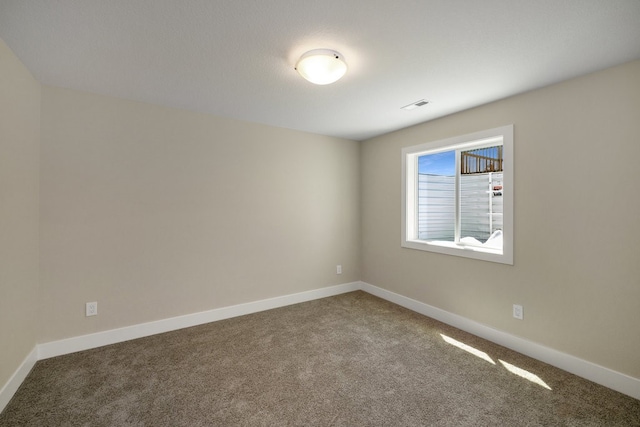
{"x":460,"y":246}
{"x":460,"y":250}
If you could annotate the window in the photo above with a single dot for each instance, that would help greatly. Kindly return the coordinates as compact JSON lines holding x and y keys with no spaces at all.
{"x":458,"y":196}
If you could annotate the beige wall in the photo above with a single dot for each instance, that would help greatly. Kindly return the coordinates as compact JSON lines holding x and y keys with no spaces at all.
{"x":155,"y":212}
{"x":577,"y":221}
{"x":19,"y":157}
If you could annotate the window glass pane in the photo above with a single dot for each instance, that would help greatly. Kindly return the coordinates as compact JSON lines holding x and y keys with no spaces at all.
{"x":481,"y":206}
{"x":436,"y":196}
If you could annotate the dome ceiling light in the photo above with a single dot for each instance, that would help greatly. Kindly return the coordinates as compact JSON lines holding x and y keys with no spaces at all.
{"x":321,"y":66}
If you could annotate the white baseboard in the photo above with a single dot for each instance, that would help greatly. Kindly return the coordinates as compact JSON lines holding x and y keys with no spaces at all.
{"x":582,"y":368}
{"x":596,"y":373}
{"x":10,"y":388}
{"x":99,"y":339}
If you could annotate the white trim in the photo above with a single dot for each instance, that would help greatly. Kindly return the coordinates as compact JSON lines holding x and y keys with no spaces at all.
{"x":585,"y":369}
{"x":99,"y":339}
{"x":582,"y":368}
{"x":409,"y":193}
{"x":10,"y":388}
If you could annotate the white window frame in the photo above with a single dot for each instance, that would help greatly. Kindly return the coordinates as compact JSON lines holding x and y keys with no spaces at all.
{"x":410,"y":195}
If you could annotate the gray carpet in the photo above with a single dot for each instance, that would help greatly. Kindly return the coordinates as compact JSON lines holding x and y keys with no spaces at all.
{"x":349,"y":360}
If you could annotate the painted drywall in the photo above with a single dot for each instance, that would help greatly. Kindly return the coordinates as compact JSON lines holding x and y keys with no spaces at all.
{"x":19,"y":158}
{"x":576,"y":270}
{"x":156,"y":212}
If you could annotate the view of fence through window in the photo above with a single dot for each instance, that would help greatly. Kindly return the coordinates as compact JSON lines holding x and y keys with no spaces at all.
{"x":481,"y":184}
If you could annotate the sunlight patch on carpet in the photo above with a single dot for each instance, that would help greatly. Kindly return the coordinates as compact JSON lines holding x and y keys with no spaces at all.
{"x":524,"y":374}
{"x":481,"y":354}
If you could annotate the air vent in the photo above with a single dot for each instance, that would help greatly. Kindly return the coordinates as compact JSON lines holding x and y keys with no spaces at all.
{"x":415,"y":104}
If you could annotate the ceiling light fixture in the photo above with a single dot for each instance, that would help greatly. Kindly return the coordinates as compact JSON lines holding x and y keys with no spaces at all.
{"x":321,"y":66}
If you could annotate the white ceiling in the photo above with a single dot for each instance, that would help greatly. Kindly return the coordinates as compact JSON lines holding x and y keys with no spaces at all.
{"x":236,"y":58}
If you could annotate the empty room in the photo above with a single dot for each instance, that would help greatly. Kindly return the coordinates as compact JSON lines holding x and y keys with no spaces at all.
{"x":338,"y":213}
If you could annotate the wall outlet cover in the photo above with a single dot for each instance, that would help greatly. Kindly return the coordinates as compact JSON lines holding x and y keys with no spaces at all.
{"x":518,"y":311}
{"x":91,"y":309}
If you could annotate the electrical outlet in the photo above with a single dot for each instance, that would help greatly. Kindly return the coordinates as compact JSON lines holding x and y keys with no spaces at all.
{"x":91,"y":309}
{"x":518,"y":311}
{"x":338,"y":269}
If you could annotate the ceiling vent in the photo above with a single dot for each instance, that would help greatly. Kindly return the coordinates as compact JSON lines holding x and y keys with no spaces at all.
{"x":415,"y":104}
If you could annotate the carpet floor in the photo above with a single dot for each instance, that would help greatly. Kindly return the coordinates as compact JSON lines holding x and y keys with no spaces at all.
{"x":348,"y":360}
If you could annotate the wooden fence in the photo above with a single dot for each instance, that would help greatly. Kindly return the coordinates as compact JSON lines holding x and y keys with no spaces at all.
{"x":481,"y":160}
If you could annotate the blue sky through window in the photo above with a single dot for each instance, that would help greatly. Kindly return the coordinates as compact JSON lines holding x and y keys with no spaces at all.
{"x":438,"y":164}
